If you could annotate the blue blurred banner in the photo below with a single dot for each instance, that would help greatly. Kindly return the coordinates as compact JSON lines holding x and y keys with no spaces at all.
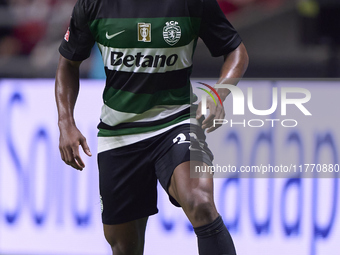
{"x":48,"y":208}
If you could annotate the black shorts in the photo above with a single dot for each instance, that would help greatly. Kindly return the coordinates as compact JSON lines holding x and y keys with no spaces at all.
{"x":128,"y":175}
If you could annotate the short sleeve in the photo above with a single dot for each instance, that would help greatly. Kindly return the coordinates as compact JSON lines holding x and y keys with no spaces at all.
{"x":216,"y":31}
{"x":78,"y":40}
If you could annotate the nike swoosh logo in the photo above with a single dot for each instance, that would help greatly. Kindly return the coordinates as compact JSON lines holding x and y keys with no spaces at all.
{"x":111,"y":36}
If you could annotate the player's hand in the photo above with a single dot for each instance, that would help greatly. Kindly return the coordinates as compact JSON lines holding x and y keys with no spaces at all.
{"x":69,"y":141}
{"x":215,"y":112}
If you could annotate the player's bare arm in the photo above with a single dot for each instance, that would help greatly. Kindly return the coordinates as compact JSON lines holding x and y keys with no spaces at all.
{"x":66,"y":92}
{"x":233,"y":69}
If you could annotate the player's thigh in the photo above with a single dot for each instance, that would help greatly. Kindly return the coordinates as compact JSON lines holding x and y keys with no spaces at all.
{"x":184,"y":144}
{"x":183,"y":185}
{"x":126,"y":238}
{"x":195,"y":195}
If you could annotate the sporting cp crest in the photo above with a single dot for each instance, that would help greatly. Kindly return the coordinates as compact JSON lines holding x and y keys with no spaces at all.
{"x":172,"y":32}
{"x":144,"y":32}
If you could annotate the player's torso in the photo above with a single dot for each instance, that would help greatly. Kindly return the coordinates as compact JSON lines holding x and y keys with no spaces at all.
{"x":147,"y":49}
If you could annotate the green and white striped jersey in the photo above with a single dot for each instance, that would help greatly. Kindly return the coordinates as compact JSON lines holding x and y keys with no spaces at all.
{"x":147,"y":49}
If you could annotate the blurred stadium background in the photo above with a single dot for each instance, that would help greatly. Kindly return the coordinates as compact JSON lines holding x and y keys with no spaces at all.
{"x":284,"y":38}
{"x":46,"y":208}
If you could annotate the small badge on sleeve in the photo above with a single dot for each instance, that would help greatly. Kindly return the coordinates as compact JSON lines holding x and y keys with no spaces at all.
{"x":67,"y":35}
